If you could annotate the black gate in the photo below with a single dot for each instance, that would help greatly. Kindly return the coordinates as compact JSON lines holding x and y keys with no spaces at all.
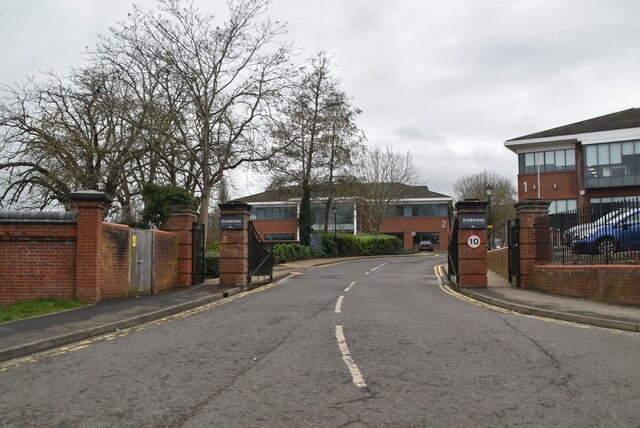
{"x":197,"y":233}
{"x":513,"y":239}
{"x":260,"y":259}
{"x":453,"y":254}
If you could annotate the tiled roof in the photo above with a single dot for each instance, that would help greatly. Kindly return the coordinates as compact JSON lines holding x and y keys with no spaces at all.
{"x":295,"y":192}
{"x":620,"y":120}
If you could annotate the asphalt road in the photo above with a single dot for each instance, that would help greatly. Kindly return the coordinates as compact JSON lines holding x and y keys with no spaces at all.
{"x":374,"y":342}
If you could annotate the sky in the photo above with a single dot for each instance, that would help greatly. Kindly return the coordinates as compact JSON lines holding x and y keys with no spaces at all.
{"x":448,"y":80}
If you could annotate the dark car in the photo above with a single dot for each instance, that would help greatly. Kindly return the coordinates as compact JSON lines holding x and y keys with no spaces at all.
{"x":618,"y":233}
{"x":425,"y":246}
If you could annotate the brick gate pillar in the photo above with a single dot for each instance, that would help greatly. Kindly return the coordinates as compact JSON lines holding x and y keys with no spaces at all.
{"x":472,"y":244}
{"x":91,"y":206}
{"x":529,"y":212}
{"x":234,"y":244}
{"x":180,"y":219}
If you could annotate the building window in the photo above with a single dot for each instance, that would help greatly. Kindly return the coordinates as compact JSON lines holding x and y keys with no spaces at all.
{"x":548,"y":161}
{"x":562,"y":205}
{"x":273,"y":213}
{"x":612,"y":164}
{"x":279,"y":236}
{"x":342,"y":219}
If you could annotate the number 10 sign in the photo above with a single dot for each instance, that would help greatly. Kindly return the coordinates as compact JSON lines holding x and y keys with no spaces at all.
{"x":473,"y":241}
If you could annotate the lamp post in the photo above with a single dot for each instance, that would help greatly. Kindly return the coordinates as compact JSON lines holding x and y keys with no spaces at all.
{"x":335,"y":222}
{"x":489,"y":189}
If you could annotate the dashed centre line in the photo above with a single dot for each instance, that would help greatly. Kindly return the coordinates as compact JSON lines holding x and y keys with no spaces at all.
{"x":346,"y":290}
{"x":339,"y":305}
{"x":356,"y":375}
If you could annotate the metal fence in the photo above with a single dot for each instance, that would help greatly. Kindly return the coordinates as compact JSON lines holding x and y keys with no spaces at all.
{"x":453,"y":254}
{"x":602,"y":234}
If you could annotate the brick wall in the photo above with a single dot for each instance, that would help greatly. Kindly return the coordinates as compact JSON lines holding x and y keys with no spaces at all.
{"x":40,"y":256}
{"x":115,"y":260}
{"x":614,"y":284}
{"x":165,"y":267}
{"x":498,"y":261}
{"x":37,"y":261}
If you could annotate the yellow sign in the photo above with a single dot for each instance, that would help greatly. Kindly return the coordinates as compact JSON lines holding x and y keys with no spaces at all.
{"x":134,"y":240}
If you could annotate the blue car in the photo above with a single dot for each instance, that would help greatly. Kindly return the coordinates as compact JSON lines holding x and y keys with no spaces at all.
{"x":618,"y":233}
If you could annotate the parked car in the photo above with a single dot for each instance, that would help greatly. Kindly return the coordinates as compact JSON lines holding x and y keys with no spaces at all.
{"x":571,"y":233}
{"x":425,"y":246}
{"x":620,"y":232}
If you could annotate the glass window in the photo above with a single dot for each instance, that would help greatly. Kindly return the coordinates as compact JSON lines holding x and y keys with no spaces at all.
{"x":539,"y":160}
{"x":603,"y":154}
{"x":627,"y":148}
{"x":529,"y":162}
{"x":549,"y":161}
{"x":560,"y":159}
{"x":396,"y":211}
{"x":591,"y":155}
{"x":572,"y":204}
{"x":615,"y":153}
{"x":570,"y":156}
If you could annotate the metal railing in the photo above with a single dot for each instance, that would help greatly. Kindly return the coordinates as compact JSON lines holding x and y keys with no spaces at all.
{"x":602,"y":234}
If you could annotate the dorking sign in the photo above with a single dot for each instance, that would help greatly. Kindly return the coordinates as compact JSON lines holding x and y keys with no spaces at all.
{"x":472,"y":221}
{"x":232,"y":222}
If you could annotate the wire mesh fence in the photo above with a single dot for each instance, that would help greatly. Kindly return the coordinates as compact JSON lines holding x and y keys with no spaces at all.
{"x":602,"y":234}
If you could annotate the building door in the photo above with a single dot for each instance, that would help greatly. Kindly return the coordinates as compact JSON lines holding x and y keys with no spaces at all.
{"x":141,"y":262}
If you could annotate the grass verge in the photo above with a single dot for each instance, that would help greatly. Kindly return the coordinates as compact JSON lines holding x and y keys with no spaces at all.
{"x":34,"y":308}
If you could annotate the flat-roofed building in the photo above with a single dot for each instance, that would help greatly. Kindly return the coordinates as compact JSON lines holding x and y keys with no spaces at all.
{"x":591,"y":162}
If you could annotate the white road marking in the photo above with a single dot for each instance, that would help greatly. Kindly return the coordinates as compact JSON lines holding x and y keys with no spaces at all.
{"x":383,"y":264}
{"x":346,"y":356}
{"x":339,"y":305}
{"x":375,"y":268}
{"x":367,"y":273}
{"x":346,"y":290}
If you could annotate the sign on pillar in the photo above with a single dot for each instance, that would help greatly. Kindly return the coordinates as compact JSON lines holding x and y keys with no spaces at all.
{"x":472,"y":244}
{"x":234,"y":244}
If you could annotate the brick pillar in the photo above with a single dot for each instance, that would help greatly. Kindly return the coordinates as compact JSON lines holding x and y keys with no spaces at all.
{"x":234,"y":244}
{"x":472,"y":259}
{"x":91,"y":206}
{"x":529,"y":212}
{"x":180,"y":219}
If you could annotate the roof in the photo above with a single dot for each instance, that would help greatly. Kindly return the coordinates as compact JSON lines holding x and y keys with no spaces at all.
{"x":340,"y":191}
{"x":620,"y":120}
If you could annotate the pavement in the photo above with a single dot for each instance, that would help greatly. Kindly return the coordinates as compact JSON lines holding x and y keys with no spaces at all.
{"x":28,"y":336}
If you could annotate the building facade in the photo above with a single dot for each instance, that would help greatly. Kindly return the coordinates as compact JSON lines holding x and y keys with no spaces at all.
{"x":419,"y":215}
{"x":595,"y":161}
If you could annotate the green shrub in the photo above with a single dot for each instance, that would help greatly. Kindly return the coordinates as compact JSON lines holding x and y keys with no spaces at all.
{"x":211,"y":265}
{"x":157,"y":197}
{"x":285,"y":253}
{"x":367,"y":245}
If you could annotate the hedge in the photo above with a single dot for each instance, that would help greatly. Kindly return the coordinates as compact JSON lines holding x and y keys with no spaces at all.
{"x":340,"y":245}
{"x":212,"y":265}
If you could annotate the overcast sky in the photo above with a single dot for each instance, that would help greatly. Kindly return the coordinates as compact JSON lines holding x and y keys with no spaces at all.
{"x":448,"y":80}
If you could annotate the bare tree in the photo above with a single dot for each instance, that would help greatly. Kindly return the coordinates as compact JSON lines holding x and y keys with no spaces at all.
{"x":64,"y":135}
{"x":319,"y":134}
{"x":503,"y":194}
{"x":383,"y":176}
{"x":221,"y":84}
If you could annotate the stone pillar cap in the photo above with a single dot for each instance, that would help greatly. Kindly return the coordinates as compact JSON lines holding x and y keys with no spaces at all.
{"x":90,"y":195}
